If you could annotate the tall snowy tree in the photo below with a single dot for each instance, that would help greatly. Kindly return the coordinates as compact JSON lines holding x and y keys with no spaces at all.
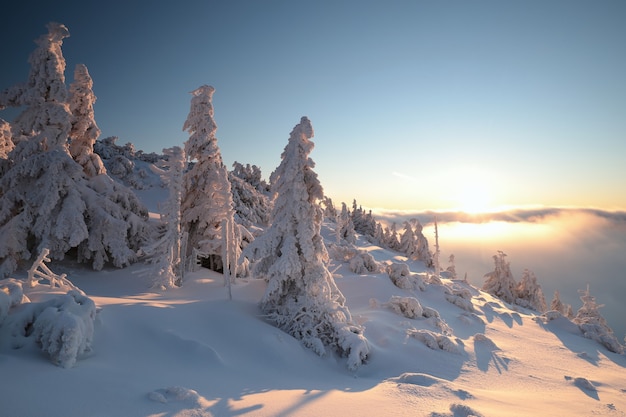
{"x":45,"y":199}
{"x":207,"y":198}
{"x":301,"y":297}
{"x":500,"y":281}
{"x":44,"y":95}
{"x":85,"y":131}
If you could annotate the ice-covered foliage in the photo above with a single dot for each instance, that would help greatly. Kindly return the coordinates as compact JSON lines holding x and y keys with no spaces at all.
{"x":62,"y":326}
{"x":301,"y":297}
{"x":45,"y":201}
{"x":500,"y":281}
{"x":44,"y":94}
{"x":402,"y":277}
{"x":529,"y":294}
{"x":593,"y":325}
{"x":85,"y":131}
{"x":207,"y":197}
{"x":164,"y":252}
{"x":6,"y":141}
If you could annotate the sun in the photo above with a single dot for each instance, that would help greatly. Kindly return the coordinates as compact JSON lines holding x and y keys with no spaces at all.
{"x":474,"y":198}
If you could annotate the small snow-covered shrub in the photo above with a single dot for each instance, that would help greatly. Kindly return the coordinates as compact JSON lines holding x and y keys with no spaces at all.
{"x":364,"y":263}
{"x":11,"y":295}
{"x":460,"y":297}
{"x":435,"y":341}
{"x":401,"y":277}
{"x":62,"y":326}
{"x":409,"y":307}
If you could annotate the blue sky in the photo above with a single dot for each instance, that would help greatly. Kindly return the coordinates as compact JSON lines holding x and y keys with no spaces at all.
{"x":415,"y":104}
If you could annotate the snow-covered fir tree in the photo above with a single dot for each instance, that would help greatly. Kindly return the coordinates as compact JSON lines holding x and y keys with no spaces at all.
{"x":557,"y":305}
{"x":165,"y":252}
{"x":451,"y":267}
{"x":45,"y":199}
{"x":500,"y":281}
{"x":345,"y":227}
{"x":44,"y":95}
{"x":207,"y":198}
{"x":529,"y":294}
{"x":301,"y":297}
{"x":85,"y":131}
{"x":593,"y":324}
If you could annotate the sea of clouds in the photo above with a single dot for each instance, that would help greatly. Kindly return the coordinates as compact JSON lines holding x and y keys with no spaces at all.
{"x":566,"y":248}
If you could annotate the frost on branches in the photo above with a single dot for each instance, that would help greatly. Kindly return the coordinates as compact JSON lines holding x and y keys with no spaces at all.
{"x":45,"y":198}
{"x":207,"y":198}
{"x":84,"y":131}
{"x":301,"y":296}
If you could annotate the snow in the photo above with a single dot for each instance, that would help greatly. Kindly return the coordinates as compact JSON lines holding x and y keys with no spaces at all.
{"x":190,"y":351}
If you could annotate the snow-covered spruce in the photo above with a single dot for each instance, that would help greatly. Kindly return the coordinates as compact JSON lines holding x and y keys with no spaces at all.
{"x":45,"y":198}
{"x":207,"y":198}
{"x":529,"y":294}
{"x":593,"y":324}
{"x":301,"y":297}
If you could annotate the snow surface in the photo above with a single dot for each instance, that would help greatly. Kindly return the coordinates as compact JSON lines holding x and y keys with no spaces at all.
{"x":192,"y":352}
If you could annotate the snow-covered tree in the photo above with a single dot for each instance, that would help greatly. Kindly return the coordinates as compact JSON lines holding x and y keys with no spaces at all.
{"x":500,"y":281}
{"x":557,"y":305}
{"x":301,"y":297}
{"x":407,"y":241}
{"x":85,"y":131}
{"x":451,"y":267}
{"x":165,"y":252}
{"x":344,"y":228}
{"x":45,"y":199}
{"x":44,"y":95}
{"x":207,"y":198}
{"x":594,"y":325}
{"x":529,"y":294}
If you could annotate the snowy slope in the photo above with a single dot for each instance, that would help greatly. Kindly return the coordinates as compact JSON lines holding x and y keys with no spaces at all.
{"x":193,"y":352}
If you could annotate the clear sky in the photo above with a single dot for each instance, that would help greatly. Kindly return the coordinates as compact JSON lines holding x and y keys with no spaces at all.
{"x":415,"y":104}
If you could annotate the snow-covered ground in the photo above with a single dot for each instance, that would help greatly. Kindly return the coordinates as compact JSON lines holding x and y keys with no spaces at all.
{"x":193,"y":352}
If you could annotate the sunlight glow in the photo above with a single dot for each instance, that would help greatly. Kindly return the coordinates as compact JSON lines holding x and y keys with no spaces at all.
{"x":474,"y":198}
